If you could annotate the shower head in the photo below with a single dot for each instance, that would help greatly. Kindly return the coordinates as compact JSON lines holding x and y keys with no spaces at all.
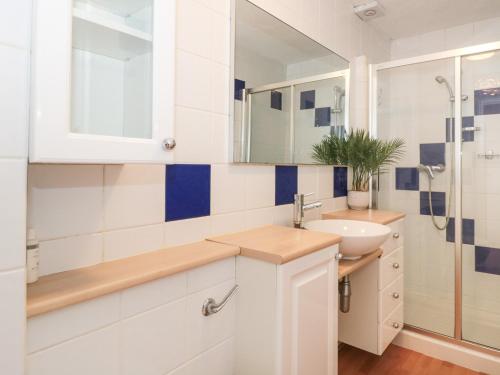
{"x":441,"y":80}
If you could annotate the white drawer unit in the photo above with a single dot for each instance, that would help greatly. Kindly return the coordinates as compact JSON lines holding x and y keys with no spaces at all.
{"x":376,"y":312}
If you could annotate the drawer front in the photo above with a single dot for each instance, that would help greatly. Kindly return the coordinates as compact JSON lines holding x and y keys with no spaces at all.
{"x":391,"y":267}
{"x":390,"y":328}
{"x":390,"y":298}
{"x":395,"y":239}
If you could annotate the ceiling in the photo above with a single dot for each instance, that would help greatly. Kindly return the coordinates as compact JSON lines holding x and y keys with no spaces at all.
{"x":404,"y":18}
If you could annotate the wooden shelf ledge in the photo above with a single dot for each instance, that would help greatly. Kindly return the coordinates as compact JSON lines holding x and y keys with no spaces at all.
{"x":63,"y":289}
{"x":346,"y":267}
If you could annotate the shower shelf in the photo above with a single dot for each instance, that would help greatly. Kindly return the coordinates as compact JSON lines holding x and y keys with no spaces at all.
{"x":489,"y":155}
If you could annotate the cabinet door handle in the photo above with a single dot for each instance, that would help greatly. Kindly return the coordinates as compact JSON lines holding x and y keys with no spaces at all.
{"x":395,"y":325}
{"x":210,"y":306}
{"x":338,"y":256}
{"x":395,"y":235}
{"x":395,"y":266}
{"x":395,"y":295}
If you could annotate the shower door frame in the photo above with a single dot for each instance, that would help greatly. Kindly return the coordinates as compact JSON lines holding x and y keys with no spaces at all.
{"x":456,"y":55}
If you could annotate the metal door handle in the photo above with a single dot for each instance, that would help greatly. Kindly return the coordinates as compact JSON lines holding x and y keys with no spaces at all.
{"x":395,"y":235}
{"x":395,"y":266}
{"x":395,"y":295}
{"x":395,"y":325}
{"x":210,"y":306}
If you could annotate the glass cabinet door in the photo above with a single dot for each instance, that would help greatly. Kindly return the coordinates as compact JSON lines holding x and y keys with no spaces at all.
{"x":102,"y":80}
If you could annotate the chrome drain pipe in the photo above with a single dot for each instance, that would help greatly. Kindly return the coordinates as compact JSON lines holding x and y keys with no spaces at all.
{"x":345,"y":294}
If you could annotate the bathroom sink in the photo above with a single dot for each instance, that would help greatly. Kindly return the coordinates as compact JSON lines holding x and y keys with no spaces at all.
{"x":358,"y":237}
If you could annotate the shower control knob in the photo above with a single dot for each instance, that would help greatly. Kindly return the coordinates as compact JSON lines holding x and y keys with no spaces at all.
{"x":395,"y":235}
{"x":395,"y":295}
{"x":395,"y":325}
{"x":395,"y":266}
{"x":169,"y":144}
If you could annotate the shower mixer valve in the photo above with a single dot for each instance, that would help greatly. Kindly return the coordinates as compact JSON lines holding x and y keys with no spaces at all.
{"x":430,"y":169}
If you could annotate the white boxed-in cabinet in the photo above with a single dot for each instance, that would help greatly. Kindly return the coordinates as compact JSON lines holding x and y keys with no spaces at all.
{"x":287,"y":315}
{"x":102,"y":81}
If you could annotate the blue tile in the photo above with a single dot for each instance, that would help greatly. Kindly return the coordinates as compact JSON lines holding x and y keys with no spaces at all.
{"x":276,"y":100}
{"x":239,"y":86}
{"x":487,"y":260}
{"x":438,"y":203}
{"x":187,"y":191}
{"x":286,"y":184}
{"x":432,"y":153}
{"x":307,"y":99}
{"x":322,"y":116}
{"x":467,"y":231}
{"x":407,"y":179}
{"x":467,"y":136}
{"x":339,"y":181}
{"x":487,"y":101}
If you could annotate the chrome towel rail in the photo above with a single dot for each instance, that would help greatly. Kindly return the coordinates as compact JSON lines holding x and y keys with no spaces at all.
{"x":210,"y":306}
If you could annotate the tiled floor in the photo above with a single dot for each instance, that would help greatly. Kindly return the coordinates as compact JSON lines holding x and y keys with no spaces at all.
{"x":394,"y":361}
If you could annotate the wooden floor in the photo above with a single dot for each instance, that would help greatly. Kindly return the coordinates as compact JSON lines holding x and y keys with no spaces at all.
{"x":394,"y":361}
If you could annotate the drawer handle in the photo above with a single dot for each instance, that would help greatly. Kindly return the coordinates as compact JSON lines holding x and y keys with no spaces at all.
{"x":395,"y":295}
{"x":395,"y":325}
{"x":395,"y":235}
{"x":210,"y":306}
{"x":395,"y":266}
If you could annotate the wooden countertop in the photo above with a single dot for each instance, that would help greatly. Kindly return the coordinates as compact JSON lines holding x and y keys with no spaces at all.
{"x":277,"y":244}
{"x":67,"y":288}
{"x":375,"y":216}
{"x":347,"y":267}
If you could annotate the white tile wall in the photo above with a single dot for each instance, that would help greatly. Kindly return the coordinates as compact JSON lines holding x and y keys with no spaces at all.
{"x":152,"y":328}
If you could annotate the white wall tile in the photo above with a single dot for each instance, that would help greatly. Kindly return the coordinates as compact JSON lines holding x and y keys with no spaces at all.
{"x":227,"y":188}
{"x":325,"y":182}
{"x":147,"y":296}
{"x":220,"y":138}
{"x":94,"y":353}
{"x":65,"y":200}
{"x":259,"y":217}
{"x":128,"y":242}
{"x":13,"y":217}
{"x":57,"y":326}
{"x":154,"y":342}
{"x":283,"y":215}
{"x":193,"y":81}
{"x":220,"y":88}
{"x":260,"y":182}
{"x":13,"y":99}
{"x":134,"y":195}
{"x":308,"y":181}
{"x":193,"y":136}
{"x":184,"y":231}
{"x":69,"y":253}
{"x":193,"y":33}
{"x":209,"y":275}
{"x":227,"y":223}
{"x":216,"y":361}
{"x":220,"y":38}
{"x":204,"y":332}
{"x":12,"y":321}
{"x":15,"y":25}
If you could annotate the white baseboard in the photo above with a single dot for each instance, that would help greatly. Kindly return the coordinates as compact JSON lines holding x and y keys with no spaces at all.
{"x":446,"y":351}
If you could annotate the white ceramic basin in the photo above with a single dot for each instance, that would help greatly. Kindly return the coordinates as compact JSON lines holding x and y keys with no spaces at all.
{"x":358,"y":237}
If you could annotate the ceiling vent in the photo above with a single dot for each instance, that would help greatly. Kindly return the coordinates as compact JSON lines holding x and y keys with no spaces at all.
{"x":369,"y":11}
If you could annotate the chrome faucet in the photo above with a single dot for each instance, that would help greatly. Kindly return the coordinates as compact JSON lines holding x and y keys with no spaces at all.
{"x":299,"y":207}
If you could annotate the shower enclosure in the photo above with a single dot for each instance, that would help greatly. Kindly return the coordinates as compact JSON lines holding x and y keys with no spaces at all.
{"x":447,"y":108}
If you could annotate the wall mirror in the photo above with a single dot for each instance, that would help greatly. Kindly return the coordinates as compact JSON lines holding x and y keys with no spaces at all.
{"x":289,"y":90}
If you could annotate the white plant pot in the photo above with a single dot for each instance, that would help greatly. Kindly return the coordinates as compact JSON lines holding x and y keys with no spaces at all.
{"x":358,"y":200}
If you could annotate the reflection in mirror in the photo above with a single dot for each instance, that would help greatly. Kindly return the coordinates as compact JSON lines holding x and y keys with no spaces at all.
{"x":289,"y":91}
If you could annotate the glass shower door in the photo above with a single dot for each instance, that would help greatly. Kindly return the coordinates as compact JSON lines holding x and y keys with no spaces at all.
{"x":414,"y":103}
{"x":481,"y":199}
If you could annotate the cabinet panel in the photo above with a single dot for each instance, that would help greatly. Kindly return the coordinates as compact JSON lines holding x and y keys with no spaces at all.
{"x":390,"y":328}
{"x":102,"y":81}
{"x":309,"y":315}
{"x":390,"y":298}
{"x":395,"y":239}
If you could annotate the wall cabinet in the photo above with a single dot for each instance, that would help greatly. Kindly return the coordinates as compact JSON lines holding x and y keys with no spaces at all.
{"x":102,"y":81}
{"x":376,"y":313}
{"x":287,"y":316}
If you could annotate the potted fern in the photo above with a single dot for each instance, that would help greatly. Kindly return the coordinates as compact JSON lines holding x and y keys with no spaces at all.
{"x":364,"y":155}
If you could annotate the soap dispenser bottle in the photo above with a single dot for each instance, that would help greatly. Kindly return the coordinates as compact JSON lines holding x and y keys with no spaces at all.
{"x":32,"y":257}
